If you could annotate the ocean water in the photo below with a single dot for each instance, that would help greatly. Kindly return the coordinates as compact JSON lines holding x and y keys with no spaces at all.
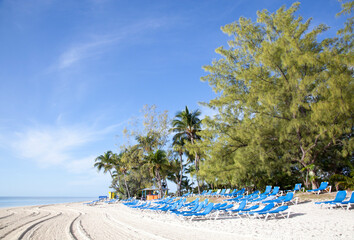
{"x":33,"y":201}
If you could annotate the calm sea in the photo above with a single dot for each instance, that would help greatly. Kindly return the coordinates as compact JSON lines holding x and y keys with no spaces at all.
{"x":32,"y":201}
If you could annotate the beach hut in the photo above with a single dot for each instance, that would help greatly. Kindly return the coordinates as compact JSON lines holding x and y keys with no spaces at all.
{"x":152,"y":193}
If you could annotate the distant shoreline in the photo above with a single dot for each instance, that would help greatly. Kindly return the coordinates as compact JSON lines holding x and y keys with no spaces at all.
{"x":22,"y":201}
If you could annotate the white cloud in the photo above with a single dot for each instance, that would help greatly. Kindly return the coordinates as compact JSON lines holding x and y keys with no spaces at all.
{"x":82,"y":165}
{"x":91,"y":179}
{"x":100,"y":43}
{"x":66,"y":146}
{"x":84,"y":51}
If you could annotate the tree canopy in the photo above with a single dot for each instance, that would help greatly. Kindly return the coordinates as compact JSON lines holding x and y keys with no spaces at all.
{"x":285,"y":100}
{"x":284,"y":114}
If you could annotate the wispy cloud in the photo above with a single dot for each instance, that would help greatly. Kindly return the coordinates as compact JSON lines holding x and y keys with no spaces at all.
{"x":65,"y":146}
{"x":101,"y":43}
{"x":84,"y":51}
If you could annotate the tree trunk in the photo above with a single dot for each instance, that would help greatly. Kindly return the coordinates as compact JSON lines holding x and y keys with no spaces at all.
{"x":180,"y":178}
{"x":196,"y":175}
{"x":313,"y":182}
{"x":306,"y":182}
{"x":196,"y":166}
{"x":158,"y":178}
{"x":126,"y":186}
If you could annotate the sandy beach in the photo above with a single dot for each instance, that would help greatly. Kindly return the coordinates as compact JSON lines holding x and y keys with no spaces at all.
{"x":117,"y":221}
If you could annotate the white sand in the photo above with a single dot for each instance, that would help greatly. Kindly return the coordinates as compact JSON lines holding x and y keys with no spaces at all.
{"x":116,"y":221}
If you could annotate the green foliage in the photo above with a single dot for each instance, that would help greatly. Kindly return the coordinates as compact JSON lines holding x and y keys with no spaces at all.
{"x":186,"y":126}
{"x":284,"y":100}
{"x":343,"y":181}
{"x":284,"y":114}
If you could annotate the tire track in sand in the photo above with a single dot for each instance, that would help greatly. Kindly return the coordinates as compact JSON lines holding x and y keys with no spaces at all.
{"x":121,"y":231}
{"x":22,"y":225}
{"x":33,"y":225}
{"x":7,"y":216}
{"x":79,"y":228}
{"x":133,"y":229}
{"x":33,"y":214}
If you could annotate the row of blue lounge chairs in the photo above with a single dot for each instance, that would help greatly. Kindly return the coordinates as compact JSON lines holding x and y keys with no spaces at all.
{"x":222,"y":193}
{"x":195,"y":209}
{"x":265,"y":198}
{"x":339,"y":201}
{"x":234,"y":193}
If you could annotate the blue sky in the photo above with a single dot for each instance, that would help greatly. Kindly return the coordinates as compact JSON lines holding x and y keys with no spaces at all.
{"x":74,"y":73}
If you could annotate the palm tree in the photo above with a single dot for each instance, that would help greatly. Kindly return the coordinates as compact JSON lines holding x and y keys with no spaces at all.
{"x":178,"y":146}
{"x":158,"y":163}
{"x":105,"y":162}
{"x":147,"y":142}
{"x":186,"y":125}
{"x":121,"y":168}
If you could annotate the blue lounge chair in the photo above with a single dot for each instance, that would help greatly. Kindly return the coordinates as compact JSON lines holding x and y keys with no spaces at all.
{"x":340,"y":196}
{"x":240,"y":207}
{"x":215,"y":193}
{"x":266,"y":208}
{"x":196,"y":208}
{"x":296,"y":188}
{"x":221,"y":193}
{"x":275,"y":191}
{"x":280,"y":210}
{"x":228,"y":206}
{"x":323,"y":187}
{"x":235,"y":199}
{"x":249,"y":197}
{"x":222,"y":209}
{"x":140,"y":205}
{"x":134,"y":202}
{"x":288,"y":198}
{"x":226,"y":193}
{"x":207,"y":211}
{"x":240,"y":192}
{"x":244,"y":209}
{"x":94,"y":202}
{"x":348,"y":202}
{"x":259,"y":199}
{"x":230,"y":193}
{"x":179,"y":205}
{"x":186,"y":194}
{"x":267,"y":190}
{"x":191,"y":203}
{"x":145,"y":207}
{"x":218,"y":205}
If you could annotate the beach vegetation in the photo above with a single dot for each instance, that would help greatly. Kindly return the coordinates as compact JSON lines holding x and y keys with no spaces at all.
{"x":186,"y":126}
{"x":284,"y":102}
{"x":283,"y":114}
